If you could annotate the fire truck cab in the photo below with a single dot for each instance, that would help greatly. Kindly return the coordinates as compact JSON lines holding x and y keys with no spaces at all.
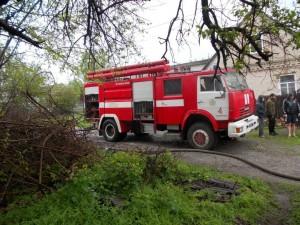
{"x":146,"y":98}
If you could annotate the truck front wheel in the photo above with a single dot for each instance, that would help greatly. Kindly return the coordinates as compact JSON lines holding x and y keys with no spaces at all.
{"x":110,"y":131}
{"x":201,"y":136}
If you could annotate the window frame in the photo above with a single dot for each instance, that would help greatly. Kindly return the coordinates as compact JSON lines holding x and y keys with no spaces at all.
{"x":172,"y":79}
{"x":252,"y":51}
{"x":215,"y":80}
{"x":287,"y":83}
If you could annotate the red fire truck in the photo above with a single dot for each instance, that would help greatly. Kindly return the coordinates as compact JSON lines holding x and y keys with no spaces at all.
{"x":146,"y":98}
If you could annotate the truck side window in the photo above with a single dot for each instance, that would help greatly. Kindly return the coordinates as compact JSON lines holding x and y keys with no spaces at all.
{"x":172,"y":87}
{"x":211,"y":84}
{"x":207,"y":84}
{"x":218,"y":84}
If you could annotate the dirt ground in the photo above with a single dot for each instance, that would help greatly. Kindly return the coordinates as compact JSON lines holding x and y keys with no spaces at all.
{"x":265,"y":152}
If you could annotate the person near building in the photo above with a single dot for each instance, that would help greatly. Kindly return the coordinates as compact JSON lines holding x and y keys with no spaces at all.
{"x":285,"y":97}
{"x":260,"y":112}
{"x":292,"y":110}
{"x":271,"y":114}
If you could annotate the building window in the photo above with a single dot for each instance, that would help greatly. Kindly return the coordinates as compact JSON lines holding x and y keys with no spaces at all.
{"x":260,"y":43}
{"x":287,"y":84}
{"x":172,"y":87}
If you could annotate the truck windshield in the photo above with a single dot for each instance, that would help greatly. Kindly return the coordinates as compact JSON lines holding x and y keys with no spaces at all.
{"x":235,"y":81}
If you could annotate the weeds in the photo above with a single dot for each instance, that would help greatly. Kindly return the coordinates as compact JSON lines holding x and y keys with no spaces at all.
{"x":126,"y":188}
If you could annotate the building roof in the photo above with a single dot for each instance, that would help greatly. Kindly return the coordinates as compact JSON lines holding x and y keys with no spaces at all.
{"x":194,"y":63}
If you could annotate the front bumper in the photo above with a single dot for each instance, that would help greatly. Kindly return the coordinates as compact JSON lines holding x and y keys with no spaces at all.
{"x":242,"y":127}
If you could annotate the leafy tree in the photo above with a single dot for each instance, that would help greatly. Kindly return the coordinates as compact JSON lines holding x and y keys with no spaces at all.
{"x":87,"y":63}
{"x":18,"y":78}
{"x":21,"y":79}
{"x":234,"y":27}
{"x":63,"y":28}
{"x":66,"y":97}
{"x":67,"y":28}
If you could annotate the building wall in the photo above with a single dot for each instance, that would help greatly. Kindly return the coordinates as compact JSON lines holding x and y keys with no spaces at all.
{"x":267,"y":80}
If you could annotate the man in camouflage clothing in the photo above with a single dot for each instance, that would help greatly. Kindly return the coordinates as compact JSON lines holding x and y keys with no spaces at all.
{"x":271,"y":114}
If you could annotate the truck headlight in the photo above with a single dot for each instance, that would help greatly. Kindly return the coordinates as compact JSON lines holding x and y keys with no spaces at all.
{"x":239,"y":129}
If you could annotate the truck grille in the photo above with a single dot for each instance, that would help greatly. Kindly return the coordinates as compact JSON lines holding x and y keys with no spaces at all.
{"x":244,"y":111}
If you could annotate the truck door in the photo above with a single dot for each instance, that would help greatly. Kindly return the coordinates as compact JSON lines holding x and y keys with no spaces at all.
{"x":169,"y":101}
{"x":143,"y":100}
{"x":143,"y":105}
{"x":212,"y":96}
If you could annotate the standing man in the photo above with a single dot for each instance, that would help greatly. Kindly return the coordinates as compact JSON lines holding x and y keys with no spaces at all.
{"x":291,"y":108}
{"x":260,"y":112}
{"x":271,"y":114}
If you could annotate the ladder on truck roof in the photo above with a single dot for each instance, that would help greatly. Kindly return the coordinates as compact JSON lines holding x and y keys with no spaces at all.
{"x":151,"y":68}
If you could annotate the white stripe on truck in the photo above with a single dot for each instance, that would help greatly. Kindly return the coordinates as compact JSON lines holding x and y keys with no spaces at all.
{"x":159,"y":103}
{"x":115,"y":105}
{"x":170,"y":103}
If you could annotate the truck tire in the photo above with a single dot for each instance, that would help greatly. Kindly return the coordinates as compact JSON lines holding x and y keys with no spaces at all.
{"x":201,"y":136}
{"x":110,"y":131}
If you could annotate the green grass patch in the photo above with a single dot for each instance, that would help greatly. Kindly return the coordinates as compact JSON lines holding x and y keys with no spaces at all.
{"x":281,"y":138}
{"x":127,"y":188}
{"x":294,"y":217}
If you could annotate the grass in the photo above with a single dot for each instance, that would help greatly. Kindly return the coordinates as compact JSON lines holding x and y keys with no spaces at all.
{"x":281,"y":138}
{"x":295,"y":214}
{"x":294,"y":193}
{"x":126,"y":188}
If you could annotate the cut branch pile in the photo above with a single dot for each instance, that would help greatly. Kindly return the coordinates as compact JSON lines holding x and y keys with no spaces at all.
{"x":37,"y":153}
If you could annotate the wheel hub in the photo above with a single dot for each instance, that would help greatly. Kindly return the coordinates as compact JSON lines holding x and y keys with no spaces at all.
{"x":110,"y":130}
{"x":200,"y":138}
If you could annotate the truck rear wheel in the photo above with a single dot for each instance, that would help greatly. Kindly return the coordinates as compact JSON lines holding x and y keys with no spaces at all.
{"x":110,"y":131}
{"x":201,"y":136}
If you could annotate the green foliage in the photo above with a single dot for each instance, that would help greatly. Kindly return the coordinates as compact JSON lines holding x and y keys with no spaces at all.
{"x":121,"y":174}
{"x":237,"y":34}
{"x":66,"y":96}
{"x":88,"y":197}
{"x":82,"y":122}
{"x":20,"y":77}
{"x":89,"y":62}
{"x":65,"y":32}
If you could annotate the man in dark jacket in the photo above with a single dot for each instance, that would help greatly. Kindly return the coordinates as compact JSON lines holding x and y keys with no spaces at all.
{"x":271,"y":113}
{"x":260,"y":112}
{"x":292,"y":110}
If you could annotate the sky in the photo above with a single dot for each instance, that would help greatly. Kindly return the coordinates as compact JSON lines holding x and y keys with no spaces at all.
{"x":158,"y":14}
